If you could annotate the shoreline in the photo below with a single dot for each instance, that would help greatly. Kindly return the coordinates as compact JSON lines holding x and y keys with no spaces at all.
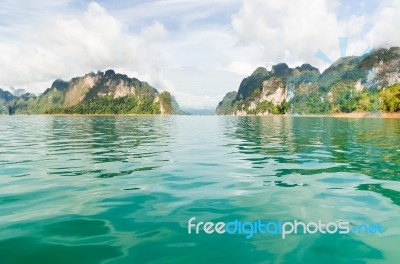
{"x":366,"y":115}
{"x":354,"y":115}
{"x":79,"y":115}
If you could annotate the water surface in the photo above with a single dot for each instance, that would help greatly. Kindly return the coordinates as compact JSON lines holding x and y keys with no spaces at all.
{"x":121,"y":189}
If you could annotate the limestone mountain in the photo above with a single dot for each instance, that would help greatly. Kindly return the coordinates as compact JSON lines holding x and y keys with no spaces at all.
{"x":251,"y":83}
{"x":354,"y":83}
{"x":96,"y":93}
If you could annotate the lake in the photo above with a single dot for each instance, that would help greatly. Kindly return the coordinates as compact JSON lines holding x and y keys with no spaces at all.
{"x":121,"y":189}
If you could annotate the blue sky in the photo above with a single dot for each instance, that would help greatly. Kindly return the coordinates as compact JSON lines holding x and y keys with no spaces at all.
{"x":198,"y":50}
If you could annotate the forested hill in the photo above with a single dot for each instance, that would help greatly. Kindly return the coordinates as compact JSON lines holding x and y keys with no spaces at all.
{"x":94,"y":93}
{"x":367,"y":83}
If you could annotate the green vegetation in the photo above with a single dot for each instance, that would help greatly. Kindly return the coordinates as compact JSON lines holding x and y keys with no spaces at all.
{"x":227,"y":106}
{"x":390,"y":99}
{"x":313,"y":103}
{"x":341,"y":98}
{"x":270,"y":108}
{"x":50,"y":99}
{"x":251,"y":83}
{"x":166,"y":102}
{"x":384,"y":55}
{"x":344,"y":98}
{"x":343,"y":70}
{"x":307,"y":77}
{"x":367,"y":102}
{"x":109,"y":105}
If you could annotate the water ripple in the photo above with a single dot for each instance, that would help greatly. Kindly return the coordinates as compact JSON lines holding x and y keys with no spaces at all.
{"x":121,"y":189}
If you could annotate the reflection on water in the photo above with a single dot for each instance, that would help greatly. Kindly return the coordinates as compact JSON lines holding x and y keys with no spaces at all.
{"x":121,"y":189}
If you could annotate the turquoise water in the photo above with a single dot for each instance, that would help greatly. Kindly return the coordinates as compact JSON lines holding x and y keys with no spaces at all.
{"x":122,"y":189}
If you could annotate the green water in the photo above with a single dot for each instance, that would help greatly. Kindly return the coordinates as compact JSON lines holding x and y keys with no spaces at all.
{"x":122,"y":189}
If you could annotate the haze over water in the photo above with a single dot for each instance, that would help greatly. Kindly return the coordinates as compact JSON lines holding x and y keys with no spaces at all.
{"x":121,"y":189}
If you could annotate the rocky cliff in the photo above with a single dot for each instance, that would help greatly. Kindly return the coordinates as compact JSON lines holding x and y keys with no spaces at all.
{"x":350,"y":84}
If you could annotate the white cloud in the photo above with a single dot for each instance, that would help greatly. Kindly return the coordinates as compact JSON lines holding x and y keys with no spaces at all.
{"x":68,"y":46}
{"x":292,"y":31}
{"x":64,"y":46}
{"x":386,"y":22}
{"x":198,"y":50}
{"x":154,"y":32}
{"x":289,"y":31}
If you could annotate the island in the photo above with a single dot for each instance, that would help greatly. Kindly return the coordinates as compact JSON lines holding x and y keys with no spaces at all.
{"x":355,"y":84}
{"x":94,"y":93}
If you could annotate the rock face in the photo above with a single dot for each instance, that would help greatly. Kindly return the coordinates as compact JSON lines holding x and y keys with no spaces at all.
{"x":388,"y":69}
{"x":251,"y":83}
{"x":350,"y":84}
{"x":97,"y":93}
{"x":274,"y":90}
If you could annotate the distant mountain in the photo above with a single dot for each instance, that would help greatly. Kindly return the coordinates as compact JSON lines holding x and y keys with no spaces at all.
{"x":365,"y":83}
{"x":95,"y":93}
{"x":18,"y":92}
{"x":5,"y":95}
{"x":176,"y":110}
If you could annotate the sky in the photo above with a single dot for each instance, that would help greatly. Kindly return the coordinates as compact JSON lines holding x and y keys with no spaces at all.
{"x":197,"y":50}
